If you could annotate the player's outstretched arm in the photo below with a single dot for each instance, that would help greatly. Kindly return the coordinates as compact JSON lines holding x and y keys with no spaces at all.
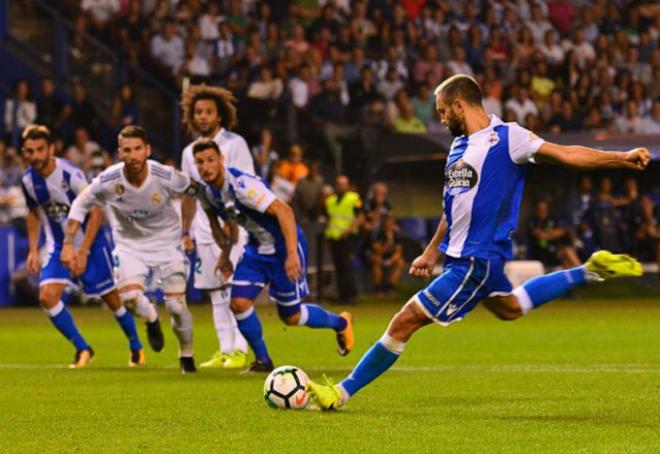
{"x":33,"y":228}
{"x":287,"y":222}
{"x":581,"y":157}
{"x":423,"y":265}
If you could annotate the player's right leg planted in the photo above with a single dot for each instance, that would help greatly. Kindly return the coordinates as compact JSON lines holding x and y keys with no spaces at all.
{"x":61,"y":318}
{"x":376,"y":361}
{"x":232,"y":353}
{"x":250,"y":327}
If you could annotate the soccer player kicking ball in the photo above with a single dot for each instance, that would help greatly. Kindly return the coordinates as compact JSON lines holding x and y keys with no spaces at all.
{"x":50,"y":186}
{"x":147,"y":232}
{"x":276,"y":253}
{"x":208,"y":111}
{"x":484,"y":179}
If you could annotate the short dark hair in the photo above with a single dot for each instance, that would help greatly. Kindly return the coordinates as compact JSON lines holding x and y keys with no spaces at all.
{"x":133,"y":132}
{"x":460,"y":86}
{"x":205,"y":144}
{"x":36,"y":132}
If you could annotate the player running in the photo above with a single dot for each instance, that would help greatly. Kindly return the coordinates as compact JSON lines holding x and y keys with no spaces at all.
{"x":208,"y":111}
{"x":484,"y":179}
{"x":147,"y":232}
{"x":276,"y":253}
{"x":50,"y":185}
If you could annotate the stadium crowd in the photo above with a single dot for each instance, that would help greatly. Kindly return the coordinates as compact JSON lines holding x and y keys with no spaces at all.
{"x":334,"y":72}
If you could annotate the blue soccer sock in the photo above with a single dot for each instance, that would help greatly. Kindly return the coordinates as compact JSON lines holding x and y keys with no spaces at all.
{"x":375,"y":362}
{"x":63,"y":321}
{"x":250,"y":327}
{"x":127,"y":324}
{"x":314,"y":316}
{"x":541,"y":289}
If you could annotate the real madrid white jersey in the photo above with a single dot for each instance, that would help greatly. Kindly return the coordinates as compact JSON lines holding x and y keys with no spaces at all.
{"x":53,"y":196}
{"x":236,"y":154}
{"x":144,"y":218}
{"x":484,"y":182}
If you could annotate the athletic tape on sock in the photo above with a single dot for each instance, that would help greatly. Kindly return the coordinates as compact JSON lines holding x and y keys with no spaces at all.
{"x":53,"y":311}
{"x":524,"y":301}
{"x":304,"y":315}
{"x":120,"y":312}
{"x":246,"y":314}
{"x":392,"y":344}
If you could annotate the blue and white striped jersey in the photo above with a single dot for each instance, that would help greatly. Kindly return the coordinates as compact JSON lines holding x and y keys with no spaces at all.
{"x":484,"y":182}
{"x":53,"y":196}
{"x":246,"y":198}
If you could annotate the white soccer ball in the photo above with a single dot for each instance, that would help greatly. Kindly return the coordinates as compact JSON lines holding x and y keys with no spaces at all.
{"x":285,"y":388}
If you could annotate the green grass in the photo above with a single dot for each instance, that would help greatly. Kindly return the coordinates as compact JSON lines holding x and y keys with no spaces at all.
{"x":576,"y":376}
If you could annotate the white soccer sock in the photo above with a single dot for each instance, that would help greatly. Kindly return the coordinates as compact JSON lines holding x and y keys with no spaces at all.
{"x":181,"y":323}
{"x":223,"y":319}
{"x":145,"y":310}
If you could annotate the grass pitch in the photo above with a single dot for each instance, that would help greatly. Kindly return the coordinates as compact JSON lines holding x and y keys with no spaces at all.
{"x":575,"y":376}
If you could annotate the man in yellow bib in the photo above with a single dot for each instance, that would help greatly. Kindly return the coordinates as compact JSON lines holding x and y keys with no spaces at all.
{"x":344,"y":219}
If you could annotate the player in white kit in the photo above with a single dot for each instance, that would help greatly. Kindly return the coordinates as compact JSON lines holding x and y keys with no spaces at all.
{"x":210,"y":112}
{"x":146,"y":229}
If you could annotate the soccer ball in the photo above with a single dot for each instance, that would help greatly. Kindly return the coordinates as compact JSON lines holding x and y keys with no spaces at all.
{"x":285,"y":388}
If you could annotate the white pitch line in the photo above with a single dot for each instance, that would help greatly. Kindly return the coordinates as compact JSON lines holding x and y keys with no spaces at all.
{"x":506,"y":368}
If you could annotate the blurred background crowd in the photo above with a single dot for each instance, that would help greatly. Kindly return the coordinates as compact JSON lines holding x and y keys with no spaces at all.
{"x":320,"y":81}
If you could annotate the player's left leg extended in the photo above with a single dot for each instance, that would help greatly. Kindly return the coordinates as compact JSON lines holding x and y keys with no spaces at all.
{"x":542,"y":289}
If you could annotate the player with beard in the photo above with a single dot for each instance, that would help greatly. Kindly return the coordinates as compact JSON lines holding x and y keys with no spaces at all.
{"x":484,"y":179}
{"x":210,"y":112}
{"x":146,"y":228}
{"x":50,"y":186}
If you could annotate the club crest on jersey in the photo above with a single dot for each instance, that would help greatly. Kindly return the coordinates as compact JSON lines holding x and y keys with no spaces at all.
{"x":155,"y":198}
{"x":493,"y":138}
{"x":119,"y":189}
{"x":460,"y":177}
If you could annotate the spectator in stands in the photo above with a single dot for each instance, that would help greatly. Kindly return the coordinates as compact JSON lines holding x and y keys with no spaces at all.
{"x":606,"y":218}
{"x":567,"y":121}
{"x":11,"y":169}
{"x":390,"y":85}
{"x":133,"y":31}
{"x":428,"y":64}
{"x":632,"y":123}
{"x":492,"y":104}
{"x":654,"y":117}
{"x":561,"y":14}
{"x":648,"y":234}
{"x":209,"y":22}
{"x":80,"y":152}
{"x":538,"y":24}
{"x":549,"y":242}
{"x":376,"y":209}
{"x":551,"y":50}
{"x":386,"y":257}
{"x":20,"y":110}
{"x":83,"y":112}
{"x":407,"y":122}
{"x":293,"y":168}
{"x":327,"y":114}
{"x":458,"y":65}
{"x":344,"y":211}
{"x":125,"y":109}
{"x":168,"y":48}
{"x":520,"y":104}
{"x":99,"y":13}
{"x":268,"y":87}
{"x":264,"y":155}
{"x":423,"y":103}
{"x":51,"y":110}
{"x":307,"y":197}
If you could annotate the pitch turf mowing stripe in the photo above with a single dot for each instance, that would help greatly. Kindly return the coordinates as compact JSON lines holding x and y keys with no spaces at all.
{"x":522,"y":368}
